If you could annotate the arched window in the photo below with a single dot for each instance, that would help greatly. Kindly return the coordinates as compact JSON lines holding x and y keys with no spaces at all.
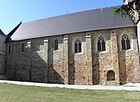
{"x":78,"y":46}
{"x":37,"y":45}
{"x":125,"y":42}
{"x":110,"y":75}
{"x":22,"y":47}
{"x":9,"y":49}
{"x":55,"y":44}
{"x":101,"y":44}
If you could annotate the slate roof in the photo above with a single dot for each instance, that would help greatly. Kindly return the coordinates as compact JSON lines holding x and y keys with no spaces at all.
{"x":70,"y":23}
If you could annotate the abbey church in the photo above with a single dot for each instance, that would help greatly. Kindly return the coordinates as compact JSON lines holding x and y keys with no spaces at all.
{"x":85,"y":48}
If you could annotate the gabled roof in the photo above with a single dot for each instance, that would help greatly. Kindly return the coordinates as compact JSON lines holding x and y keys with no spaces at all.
{"x":70,"y":23}
{"x":1,"y":33}
{"x":8,"y":37}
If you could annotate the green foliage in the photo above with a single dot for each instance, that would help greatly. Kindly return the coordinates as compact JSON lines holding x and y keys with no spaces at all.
{"x":128,"y":9}
{"x":16,"y":93}
{"x":122,"y":11}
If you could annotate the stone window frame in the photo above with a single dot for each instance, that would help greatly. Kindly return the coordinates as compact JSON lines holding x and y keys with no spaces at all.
{"x":125,"y":42}
{"x":56,"y":42}
{"x":130,"y":36}
{"x":96,"y":41}
{"x":101,"y":44}
{"x":73,"y":45}
{"x":78,"y":46}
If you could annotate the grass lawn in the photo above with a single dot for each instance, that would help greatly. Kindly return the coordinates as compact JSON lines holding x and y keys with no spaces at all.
{"x":16,"y":93}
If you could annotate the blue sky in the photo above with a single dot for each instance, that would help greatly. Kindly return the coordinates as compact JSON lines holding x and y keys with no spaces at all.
{"x":14,"y":11}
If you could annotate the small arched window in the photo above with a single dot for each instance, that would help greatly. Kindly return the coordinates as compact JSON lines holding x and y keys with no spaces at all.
{"x":9,"y":49}
{"x":22,"y":47}
{"x":78,"y":46}
{"x":55,"y":44}
{"x":125,"y":42}
{"x":110,"y":75}
{"x":101,"y":44}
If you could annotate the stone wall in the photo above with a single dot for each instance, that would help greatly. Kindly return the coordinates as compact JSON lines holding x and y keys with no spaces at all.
{"x":40,"y":62}
{"x":2,"y":54}
{"x":80,"y":64}
{"x":107,"y":60}
{"x":30,"y":65}
{"x":129,"y":59}
{"x":55,"y":60}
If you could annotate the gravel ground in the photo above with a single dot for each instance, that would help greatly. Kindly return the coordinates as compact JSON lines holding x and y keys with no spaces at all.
{"x":129,"y":86}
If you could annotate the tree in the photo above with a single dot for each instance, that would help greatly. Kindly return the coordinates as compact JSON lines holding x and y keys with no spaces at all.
{"x":130,"y":8}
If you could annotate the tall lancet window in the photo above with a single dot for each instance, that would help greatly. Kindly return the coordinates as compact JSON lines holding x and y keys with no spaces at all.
{"x":101,"y":44}
{"x":22,"y":47}
{"x":55,"y":44}
{"x":10,"y":49}
{"x":125,"y":42}
{"x":78,"y":46}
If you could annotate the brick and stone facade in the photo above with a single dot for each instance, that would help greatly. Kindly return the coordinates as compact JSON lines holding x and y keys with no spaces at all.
{"x":40,"y":62}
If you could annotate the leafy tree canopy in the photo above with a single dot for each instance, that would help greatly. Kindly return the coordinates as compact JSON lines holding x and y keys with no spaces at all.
{"x":130,"y":8}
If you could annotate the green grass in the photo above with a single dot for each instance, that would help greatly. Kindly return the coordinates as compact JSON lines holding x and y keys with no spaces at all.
{"x":16,"y":93}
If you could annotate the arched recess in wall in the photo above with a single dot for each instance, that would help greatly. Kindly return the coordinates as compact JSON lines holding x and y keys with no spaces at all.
{"x":110,"y":75}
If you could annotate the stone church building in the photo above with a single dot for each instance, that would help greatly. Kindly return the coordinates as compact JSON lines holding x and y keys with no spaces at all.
{"x":86,"y":48}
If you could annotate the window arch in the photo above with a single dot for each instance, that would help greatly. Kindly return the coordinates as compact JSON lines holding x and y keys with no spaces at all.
{"x":56,"y":44}
{"x":22,"y":47}
{"x":9,"y":49}
{"x":101,"y":44}
{"x":78,"y":46}
{"x":125,"y":42}
{"x":37,"y":45}
{"x":110,"y":75}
